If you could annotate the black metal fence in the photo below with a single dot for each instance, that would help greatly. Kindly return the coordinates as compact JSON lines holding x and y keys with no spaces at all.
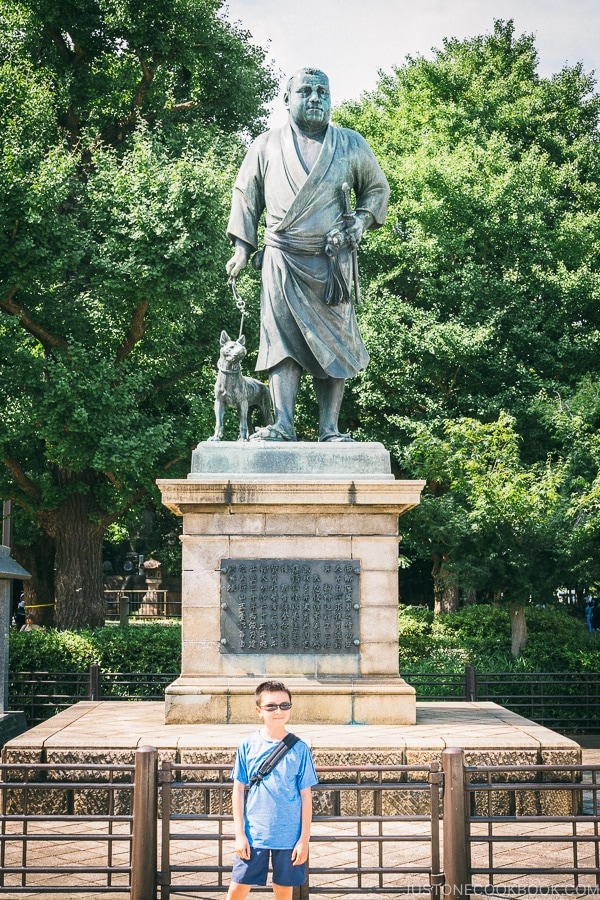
{"x":41,"y":695}
{"x":568,"y":702}
{"x":376,"y":830}
{"x":563,"y":701}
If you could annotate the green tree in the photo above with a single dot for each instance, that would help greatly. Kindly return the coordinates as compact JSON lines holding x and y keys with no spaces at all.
{"x":488,"y":521}
{"x":482,"y":290}
{"x":117,"y":148}
{"x":574,"y":423}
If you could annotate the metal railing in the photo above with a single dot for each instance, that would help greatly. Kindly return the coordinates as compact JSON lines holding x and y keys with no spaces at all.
{"x":377,"y":830}
{"x":383,"y":820}
{"x":564,"y":701}
{"x":41,"y":695}
{"x":568,"y":702}
{"x":144,"y":604}
{"x":79,"y":828}
{"x":520,"y":830}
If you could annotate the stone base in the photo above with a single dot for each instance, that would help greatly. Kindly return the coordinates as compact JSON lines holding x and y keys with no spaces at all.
{"x":296,"y":461}
{"x":112,"y":730}
{"x":362,"y":701}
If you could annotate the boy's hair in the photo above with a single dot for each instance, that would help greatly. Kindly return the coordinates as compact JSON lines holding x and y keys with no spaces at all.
{"x":270,"y":687}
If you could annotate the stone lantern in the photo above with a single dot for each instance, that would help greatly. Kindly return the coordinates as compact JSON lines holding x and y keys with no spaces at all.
{"x":150,"y":603}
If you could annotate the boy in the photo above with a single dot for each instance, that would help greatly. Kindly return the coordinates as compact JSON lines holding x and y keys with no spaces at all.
{"x":276,"y":817}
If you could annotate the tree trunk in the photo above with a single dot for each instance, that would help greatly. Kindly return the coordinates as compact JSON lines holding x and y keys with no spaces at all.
{"x":445,"y":589}
{"x":78,"y":581}
{"x":38,"y":559}
{"x":470,"y":597}
{"x":518,"y":629}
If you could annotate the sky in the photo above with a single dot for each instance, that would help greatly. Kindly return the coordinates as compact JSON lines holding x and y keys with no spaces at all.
{"x":352,"y":40}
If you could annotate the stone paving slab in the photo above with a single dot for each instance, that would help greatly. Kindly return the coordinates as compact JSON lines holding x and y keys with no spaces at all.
{"x":120,"y":727}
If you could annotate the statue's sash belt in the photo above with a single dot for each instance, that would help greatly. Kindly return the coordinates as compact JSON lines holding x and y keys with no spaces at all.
{"x":338,"y":291}
{"x":289,"y":244}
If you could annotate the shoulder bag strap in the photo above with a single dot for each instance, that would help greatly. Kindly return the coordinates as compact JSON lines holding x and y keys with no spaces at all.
{"x":274,"y":757}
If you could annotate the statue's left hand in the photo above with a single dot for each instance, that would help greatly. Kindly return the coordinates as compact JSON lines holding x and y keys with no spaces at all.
{"x":354,"y":231}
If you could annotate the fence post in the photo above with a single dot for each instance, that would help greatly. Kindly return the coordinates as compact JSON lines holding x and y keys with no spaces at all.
{"x":470,"y":684}
{"x":145,"y":815}
{"x":455,"y":824}
{"x":123,"y":610}
{"x":94,"y":682}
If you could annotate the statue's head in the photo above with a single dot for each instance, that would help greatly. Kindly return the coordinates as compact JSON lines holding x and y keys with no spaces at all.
{"x":308,"y":100}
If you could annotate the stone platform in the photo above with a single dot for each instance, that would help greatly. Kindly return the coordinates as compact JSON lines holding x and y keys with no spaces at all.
{"x":111,"y":731}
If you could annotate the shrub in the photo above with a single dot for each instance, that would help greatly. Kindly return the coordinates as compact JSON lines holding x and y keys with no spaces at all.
{"x":51,"y":651}
{"x":139,"y":648}
{"x":479,"y":635}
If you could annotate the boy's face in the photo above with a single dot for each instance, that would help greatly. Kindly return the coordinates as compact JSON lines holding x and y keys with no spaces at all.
{"x":270,"y":699}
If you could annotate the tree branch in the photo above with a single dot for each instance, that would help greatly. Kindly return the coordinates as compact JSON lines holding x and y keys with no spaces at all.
{"x":61,"y":45}
{"x":177,"y":107}
{"x":108,"y":519}
{"x":115,"y":133}
{"x":45,"y":337}
{"x":26,"y":484}
{"x":136,"y":332}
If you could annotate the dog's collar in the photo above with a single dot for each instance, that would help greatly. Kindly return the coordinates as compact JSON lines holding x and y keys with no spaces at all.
{"x":238,"y":368}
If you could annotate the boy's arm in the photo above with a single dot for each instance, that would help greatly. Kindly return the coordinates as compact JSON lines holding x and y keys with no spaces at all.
{"x":242,"y":847}
{"x":300,"y":851}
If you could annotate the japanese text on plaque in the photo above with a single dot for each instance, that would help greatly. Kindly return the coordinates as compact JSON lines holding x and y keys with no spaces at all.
{"x":291,"y":606}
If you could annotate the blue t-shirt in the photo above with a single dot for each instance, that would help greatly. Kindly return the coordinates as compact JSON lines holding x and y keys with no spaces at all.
{"x":272,"y":815}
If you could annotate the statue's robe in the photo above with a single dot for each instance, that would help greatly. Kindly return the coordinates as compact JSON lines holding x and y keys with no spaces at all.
{"x":301,"y":208}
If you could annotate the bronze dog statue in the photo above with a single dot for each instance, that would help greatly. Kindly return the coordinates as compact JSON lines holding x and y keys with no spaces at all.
{"x":237,"y":390}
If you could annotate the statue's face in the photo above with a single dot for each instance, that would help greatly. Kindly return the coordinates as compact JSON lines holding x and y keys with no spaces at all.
{"x":309,"y":102}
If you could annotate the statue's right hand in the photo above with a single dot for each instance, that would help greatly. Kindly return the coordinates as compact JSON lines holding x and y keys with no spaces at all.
{"x":237,"y":262}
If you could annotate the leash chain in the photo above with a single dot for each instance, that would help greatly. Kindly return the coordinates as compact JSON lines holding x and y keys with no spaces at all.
{"x":240,"y":304}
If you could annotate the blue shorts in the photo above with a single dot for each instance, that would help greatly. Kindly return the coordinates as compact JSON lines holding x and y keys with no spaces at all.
{"x":254,"y":870}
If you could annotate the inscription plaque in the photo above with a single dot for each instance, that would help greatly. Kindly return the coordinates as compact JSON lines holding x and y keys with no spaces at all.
{"x":290,"y":606}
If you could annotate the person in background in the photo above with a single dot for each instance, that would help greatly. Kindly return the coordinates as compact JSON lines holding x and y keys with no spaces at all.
{"x":20,"y":615}
{"x":589,"y":613}
{"x":30,"y":625}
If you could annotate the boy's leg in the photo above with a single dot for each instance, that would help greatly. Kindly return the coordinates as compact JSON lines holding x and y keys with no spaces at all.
{"x":238,"y":891}
{"x":282,"y":893}
{"x":284,"y":871}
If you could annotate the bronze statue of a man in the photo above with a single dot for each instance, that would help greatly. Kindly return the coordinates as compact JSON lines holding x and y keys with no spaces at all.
{"x":296,"y":175}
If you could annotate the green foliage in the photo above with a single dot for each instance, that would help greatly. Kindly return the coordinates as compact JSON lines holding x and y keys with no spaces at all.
{"x":479,"y":635}
{"x":121,"y":127}
{"x":482,"y":312}
{"x":493,"y":518}
{"x":139,"y":648}
{"x":51,"y":651}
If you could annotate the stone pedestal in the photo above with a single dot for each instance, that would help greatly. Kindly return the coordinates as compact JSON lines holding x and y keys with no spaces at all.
{"x":257,"y":501}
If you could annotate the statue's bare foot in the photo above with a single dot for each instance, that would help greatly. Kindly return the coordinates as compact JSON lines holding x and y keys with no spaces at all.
{"x":337,"y":438}
{"x":272,"y":433}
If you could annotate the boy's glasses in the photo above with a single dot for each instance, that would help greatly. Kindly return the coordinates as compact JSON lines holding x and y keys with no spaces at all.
{"x":272,"y":707}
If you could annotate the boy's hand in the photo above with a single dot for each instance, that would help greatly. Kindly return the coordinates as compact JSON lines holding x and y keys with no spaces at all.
{"x":242,"y":847}
{"x":300,"y":853}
